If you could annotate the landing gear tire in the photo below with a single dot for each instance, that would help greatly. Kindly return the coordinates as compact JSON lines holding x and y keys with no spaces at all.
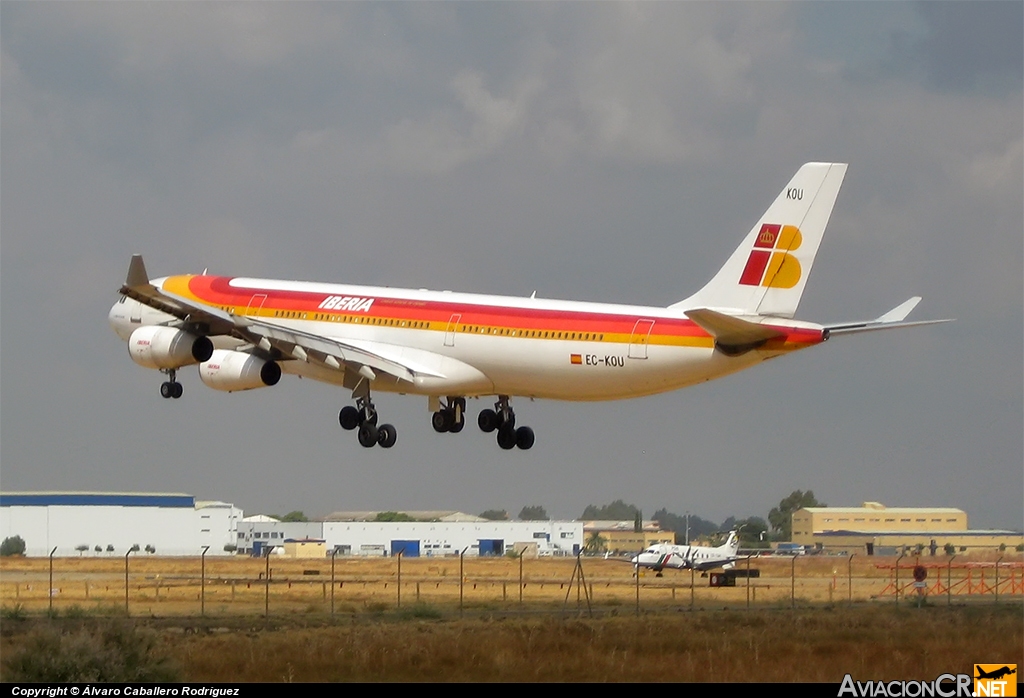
{"x":507,"y":437}
{"x":488,"y":421}
{"x":386,"y":435}
{"x":442,"y":420}
{"x":349,"y":418}
{"x":457,"y":427}
{"x":368,"y":434}
{"x":524,"y":438}
{"x":171,"y":389}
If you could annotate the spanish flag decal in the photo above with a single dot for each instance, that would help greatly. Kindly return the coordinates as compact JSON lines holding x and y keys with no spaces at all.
{"x":576,"y":358}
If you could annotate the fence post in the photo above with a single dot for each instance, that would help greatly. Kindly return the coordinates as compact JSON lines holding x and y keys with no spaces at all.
{"x":849,"y":576}
{"x":202,"y":583}
{"x":51,"y":582}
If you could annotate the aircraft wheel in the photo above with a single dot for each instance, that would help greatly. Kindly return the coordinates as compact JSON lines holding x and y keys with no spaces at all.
{"x":456,"y":427}
{"x":487,"y":421}
{"x":506,"y":437}
{"x":349,"y":418}
{"x":386,"y":435}
{"x":176,"y":390}
{"x":367,"y":434}
{"x":524,"y":438}
{"x":166,"y":390}
{"x":442,"y":421}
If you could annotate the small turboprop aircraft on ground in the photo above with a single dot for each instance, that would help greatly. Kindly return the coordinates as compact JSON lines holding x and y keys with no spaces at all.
{"x":685,"y":557}
{"x":245,"y":333}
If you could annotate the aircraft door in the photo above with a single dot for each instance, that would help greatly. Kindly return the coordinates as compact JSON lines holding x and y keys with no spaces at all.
{"x":256,"y":303}
{"x":449,"y":333}
{"x":641,"y":336}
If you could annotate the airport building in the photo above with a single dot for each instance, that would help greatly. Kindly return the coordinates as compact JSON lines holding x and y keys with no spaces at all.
{"x":442,"y":534}
{"x":619,"y":537}
{"x":111,"y":523}
{"x":876,"y":529}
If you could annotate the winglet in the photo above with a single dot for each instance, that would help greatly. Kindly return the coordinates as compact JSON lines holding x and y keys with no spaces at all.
{"x":890,"y":320}
{"x":137,"y":275}
{"x":901,"y":311}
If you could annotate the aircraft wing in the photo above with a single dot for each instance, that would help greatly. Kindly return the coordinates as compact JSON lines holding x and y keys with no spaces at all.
{"x":712,"y":564}
{"x":890,"y":320}
{"x":273,"y":340}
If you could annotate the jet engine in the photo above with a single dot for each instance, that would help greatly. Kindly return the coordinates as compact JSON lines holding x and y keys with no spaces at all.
{"x":155,"y":346}
{"x":235,"y":370}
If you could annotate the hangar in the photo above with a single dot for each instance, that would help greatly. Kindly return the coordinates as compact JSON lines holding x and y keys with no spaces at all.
{"x":110,"y":523}
{"x":877,"y":529}
{"x":440,"y":535}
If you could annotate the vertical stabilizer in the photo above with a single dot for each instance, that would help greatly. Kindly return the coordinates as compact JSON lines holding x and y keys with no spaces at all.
{"x":767,"y":273}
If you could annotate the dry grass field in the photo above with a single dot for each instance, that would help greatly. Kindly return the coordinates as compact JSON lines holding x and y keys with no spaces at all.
{"x":492,"y":636}
{"x":162,"y":586}
{"x":869,"y":642}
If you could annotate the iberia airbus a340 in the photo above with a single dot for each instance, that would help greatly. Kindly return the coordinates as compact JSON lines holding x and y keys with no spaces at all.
{"x":244,"y":333}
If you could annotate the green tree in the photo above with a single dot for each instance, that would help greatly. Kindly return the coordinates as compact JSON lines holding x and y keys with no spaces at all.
{"x":750,"y":532}
{"x":616,"y":511}
{"x":596,"y":543}
{"x":392,"y":516}
{"x":292,"y":517}
{"x":699,"y":528}
{"x":781,"y":517}
{"x":494,"y":515}
{"x":13,"y":545}
{"x":533,"y":513}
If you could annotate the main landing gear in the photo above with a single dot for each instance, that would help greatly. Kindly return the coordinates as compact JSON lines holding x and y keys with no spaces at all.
{"x":364,"y":418}
{"x":451,"y":417}
{"x":503,"y":419}
{"x":170,"y":388}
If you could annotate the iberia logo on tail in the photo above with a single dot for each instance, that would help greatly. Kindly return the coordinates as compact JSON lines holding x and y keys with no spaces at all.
{"x":775,"y":269}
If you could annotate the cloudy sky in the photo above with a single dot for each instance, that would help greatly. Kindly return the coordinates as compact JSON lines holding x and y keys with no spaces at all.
{"x":594,"y":151}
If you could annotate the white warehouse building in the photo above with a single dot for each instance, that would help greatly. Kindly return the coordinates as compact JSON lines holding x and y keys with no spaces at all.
{"x":76,"y":523}
{"x":417,"y":538}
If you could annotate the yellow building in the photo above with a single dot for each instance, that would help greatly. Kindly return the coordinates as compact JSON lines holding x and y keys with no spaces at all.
{"x":620,"y":537}
{"x":874,"y":517}
{"x":305,"y":547}
{"x":874,"y":528}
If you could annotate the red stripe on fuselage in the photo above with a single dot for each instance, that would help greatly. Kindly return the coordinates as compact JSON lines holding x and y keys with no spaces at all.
{"x":218,"y":291}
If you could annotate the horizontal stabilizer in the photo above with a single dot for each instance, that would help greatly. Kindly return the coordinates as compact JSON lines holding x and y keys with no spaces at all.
{"x":733,"y":335}
{"x":890,"y":320}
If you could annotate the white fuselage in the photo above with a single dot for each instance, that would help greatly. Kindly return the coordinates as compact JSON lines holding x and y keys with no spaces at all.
{"x":464,"y":344}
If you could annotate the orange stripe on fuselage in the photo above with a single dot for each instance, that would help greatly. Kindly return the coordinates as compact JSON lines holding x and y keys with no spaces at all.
{"x":483,"y":319}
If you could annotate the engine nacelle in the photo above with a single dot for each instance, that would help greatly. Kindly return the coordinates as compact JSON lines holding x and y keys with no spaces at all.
{"x":235,"y":370}
{"x":155,"y":346}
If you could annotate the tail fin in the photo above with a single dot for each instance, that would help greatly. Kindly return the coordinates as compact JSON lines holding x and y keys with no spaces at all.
{"x":732,"y":543}
{"x":766,"y":274}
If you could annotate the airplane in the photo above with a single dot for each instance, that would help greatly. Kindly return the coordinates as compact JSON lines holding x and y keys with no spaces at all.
{"x":995,"y":674}
{"x":245,"y":333}
{"x":685,"y":557}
